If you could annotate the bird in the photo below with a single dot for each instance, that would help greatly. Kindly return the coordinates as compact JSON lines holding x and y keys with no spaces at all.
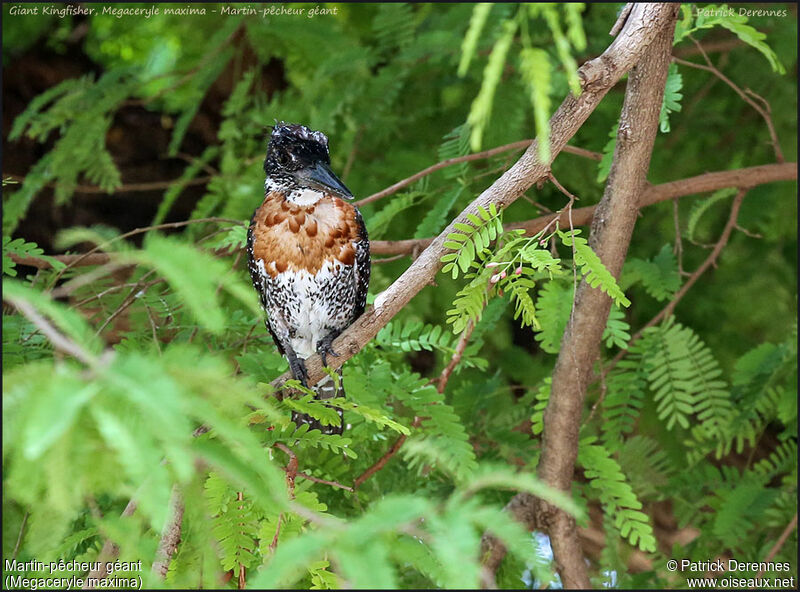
{"x":308,"y":256}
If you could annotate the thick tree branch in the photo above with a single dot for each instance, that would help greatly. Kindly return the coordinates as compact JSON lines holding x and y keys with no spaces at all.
{"x":610,"y":236}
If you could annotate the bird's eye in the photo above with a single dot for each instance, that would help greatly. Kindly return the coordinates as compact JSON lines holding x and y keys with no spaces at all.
{"x":284,"y":159}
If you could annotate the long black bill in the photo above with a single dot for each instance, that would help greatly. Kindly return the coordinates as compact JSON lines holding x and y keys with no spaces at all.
{"x":321,"y":177}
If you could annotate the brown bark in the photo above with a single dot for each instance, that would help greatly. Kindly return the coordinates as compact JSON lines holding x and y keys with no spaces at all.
{"x":611,"y":231}
{"x":170,"y":535}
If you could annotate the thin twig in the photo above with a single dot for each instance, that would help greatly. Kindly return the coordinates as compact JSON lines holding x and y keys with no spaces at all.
{"x":670,"y":307}
{"x":19,"y":536}
{"x":135,"y":292}
{"x":291,"y":467}
{"x":274,"y":544}
{"x":620,"y":22}
{"x":193,"y":159}
{"x":135,"y":231}
{"x":388,"y":259}
{"x":562,"y":189}
{"x":87,"y":278}
{"x":678,"y":242}
{"x":324,"y":481}
{"x":59,"y":341}
{"x":352,"y":156}
{"x":467,"y":158}
{"x":126,"y":188}
{"x":242,"y":578}
{"x":779,"y":543}
{"x":153,"y":327}
{"x":99,"y":295}
{"x":709,"y":67}
{"x":381,"y":462}
{"x":721,"y":46}
{"x":459,"y":352}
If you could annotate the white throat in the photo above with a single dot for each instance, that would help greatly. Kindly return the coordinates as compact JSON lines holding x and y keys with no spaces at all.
{"x":304,"y":196}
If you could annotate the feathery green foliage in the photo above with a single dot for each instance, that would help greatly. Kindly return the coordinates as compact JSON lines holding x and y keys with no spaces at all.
{"x":659,"y":276}
{"x":672,"y":97}
{"x":148,"y":377}
{"x":616,"y":495}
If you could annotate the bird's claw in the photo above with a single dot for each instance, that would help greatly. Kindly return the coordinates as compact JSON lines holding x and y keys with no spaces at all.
{"x":299,"y":371}
{"x":325,"y":347}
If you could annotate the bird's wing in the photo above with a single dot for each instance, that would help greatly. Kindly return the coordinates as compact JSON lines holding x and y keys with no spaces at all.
{"x":362,"y":267}
{"x":260,"y":280}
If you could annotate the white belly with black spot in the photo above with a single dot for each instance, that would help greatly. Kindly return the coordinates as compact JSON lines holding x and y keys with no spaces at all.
{"x":303,"y":308}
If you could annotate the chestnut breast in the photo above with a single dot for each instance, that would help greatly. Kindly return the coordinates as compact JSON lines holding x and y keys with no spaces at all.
{"x":295,"y":237}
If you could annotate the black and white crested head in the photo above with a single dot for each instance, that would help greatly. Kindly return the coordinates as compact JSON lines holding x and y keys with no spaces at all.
{"x":298,"y":158}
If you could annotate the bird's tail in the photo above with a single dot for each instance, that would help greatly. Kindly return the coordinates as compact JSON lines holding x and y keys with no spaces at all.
{"x":324,"y":389}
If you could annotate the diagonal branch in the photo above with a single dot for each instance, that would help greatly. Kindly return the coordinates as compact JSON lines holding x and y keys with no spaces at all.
{"x":597,"y":77}
{"x":779,"y":543}
{"x":709,"y":261}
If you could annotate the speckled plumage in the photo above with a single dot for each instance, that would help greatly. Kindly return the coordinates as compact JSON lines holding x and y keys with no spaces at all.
{"x":308,"y":253}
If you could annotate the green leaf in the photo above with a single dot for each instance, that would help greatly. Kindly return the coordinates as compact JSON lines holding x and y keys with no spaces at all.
{"x":54,"y":413}
{"x":672,"y":97}
{"x":535,"y":70}
{"x":700,"y":207}
{"x":595,"y":273}
{"x":616,"y":495}
{"x":20,"y":248}
{"x":604,"y":166}
{"x":659,"y":275}
{"x":562,"y":47}
{"x":481,"y":108}
{"x":470,"y":44}
{"x":724,"y":16}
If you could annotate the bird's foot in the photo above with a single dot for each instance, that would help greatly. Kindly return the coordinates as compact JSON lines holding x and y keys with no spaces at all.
{"x":298,"y":368}
{"x":325,"y":347}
